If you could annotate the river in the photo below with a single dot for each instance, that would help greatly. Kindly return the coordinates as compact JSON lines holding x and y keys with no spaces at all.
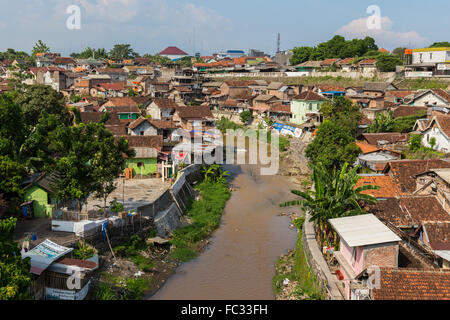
{"x":238,"y":264}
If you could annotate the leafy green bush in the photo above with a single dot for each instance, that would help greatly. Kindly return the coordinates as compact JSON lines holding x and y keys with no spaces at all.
{"x":135,"y":288}
{"x":205,"y":214}
{"x":105,"y":292}
{"x":83,"y":252}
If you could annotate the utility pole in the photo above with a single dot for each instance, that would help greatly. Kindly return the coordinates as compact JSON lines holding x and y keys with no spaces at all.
{"x":278,"y":42}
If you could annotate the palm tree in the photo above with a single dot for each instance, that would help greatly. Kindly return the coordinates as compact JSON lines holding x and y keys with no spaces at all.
{"x":334,"y":196}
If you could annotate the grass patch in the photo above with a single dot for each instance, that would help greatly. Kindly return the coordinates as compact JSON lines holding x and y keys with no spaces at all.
{"x":132,"y":250}
{"x":301,"y":273}
{"x":205,"y":215}
{"x":105,"y":292}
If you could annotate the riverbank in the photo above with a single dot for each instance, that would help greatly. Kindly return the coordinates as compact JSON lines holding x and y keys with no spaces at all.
{"x":144,"y":263}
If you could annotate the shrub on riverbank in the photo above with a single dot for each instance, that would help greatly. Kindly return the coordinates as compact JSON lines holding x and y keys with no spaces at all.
{"x":205,"y":215}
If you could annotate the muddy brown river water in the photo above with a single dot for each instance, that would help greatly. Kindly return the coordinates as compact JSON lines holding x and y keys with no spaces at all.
{"x":239,"y":262}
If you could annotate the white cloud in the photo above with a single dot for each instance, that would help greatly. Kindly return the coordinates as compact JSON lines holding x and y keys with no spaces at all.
{"x":112,"y":10}
{"x":385,"y":36}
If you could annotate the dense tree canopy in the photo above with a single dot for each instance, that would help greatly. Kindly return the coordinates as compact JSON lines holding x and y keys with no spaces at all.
{"x":15,"y":277}
{"x":122,"y":51}
{"x":332,"y":146}
{"x":91,"y":53}
{"x":12,"y":54}
{"x":88,"y":160}
{"x":387,"y":63}
{"x":343,"y":112}
{"x":40,"y":99}
{"x":337,"y":47}
{"x":440,"y":44}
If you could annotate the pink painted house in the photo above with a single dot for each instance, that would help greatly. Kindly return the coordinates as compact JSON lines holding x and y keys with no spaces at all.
{"x":364,"y":242}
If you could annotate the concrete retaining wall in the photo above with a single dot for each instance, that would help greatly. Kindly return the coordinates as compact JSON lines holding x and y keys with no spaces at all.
{"x":317,"y":263}
{"x":167,"y":210}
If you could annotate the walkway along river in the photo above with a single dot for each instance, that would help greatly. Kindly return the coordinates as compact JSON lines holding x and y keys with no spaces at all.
{"x":239,"y":261}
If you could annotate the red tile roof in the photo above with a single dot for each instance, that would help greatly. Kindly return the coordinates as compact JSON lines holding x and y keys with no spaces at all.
{"x":112,"y":86}
{"x":404,"y":170}
{"x":403,"y":111}
{"x":368,"y":61}
{"x":366,"y":148}
{"x":393,"y":137}
{"x":309,"y":96}
{"x":120,"y":102}
{"x":144,"y":141}
{"x":413,"y":284}
{"x":438,"y":234}
{"x":174,"y":51}
{"x":407,"y":212}
{"x":79,"y":263}
{"x":164,"y":103}
{"x":198,"y":112}
{"x":328,"y":62}
{"x":63,"y":60}
{"x":345,"y":61}
{"x":388,"y":188}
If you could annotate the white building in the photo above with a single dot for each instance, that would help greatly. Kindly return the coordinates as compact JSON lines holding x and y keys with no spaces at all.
{"x":428,"y":62}
{"x":173,"y":53}
{"x":439,"y":128}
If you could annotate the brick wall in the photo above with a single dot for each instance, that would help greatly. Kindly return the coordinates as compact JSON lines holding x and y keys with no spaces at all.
{"x":382,"y":255}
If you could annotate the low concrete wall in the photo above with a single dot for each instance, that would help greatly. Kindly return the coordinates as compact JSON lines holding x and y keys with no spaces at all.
{"x":317,"y":263}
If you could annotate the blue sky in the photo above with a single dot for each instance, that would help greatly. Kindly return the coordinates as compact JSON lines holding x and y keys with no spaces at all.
{"x":211,"y":26}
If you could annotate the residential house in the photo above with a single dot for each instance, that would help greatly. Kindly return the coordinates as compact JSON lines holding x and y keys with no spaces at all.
{"x":181,"y":94}
{"x":161,"y":108}
{"x":431,"y":97}
{"x":66,"y":63}
{"x":392,"y":140}
{"x":397,"y":96}
{"x":274,"y":89}
{"x":173,"y":53}
{"x":307,"y":102}
{"x":368,"y":66}
{"x":346,"y":65}
{"x":194,"y":118}
{"x":404,"y":171}
{"x":263,"y":103}
{"x":115,"y":74}
{"x":108,"y":90}
{"x":364,"y":242}
{"x":140,"y":70}
{"x":328,"y":63}
{"x":159,"y":89}
{"x":125,"y":108}
{"x":439,"y":129}
{"x":39,"y":189}
{"x":374,"y":158}
{"x":308,"y":66}
{"x":280,"y":112}
{"x":147,"y":148}
{"x":234,"y":88}
{"x":412,"y":284}
{"x":378,"y":88}
{"x":436,"y":237}
{"x":142,"y":127}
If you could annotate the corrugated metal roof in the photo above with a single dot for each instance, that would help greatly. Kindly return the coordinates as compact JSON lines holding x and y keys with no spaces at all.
{"x":363,"y":230}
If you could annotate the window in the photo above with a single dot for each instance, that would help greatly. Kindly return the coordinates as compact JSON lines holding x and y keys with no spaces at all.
{"x":431,"y":56}
{"x":142,"y":133}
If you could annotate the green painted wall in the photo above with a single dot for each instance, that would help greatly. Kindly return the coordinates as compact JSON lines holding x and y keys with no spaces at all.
{"x":41,"y":206}
{"x":299,"y":109}
{"x":150,"y":166}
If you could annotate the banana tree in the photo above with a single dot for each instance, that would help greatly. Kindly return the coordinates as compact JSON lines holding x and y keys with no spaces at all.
{"x":334,"y":195}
